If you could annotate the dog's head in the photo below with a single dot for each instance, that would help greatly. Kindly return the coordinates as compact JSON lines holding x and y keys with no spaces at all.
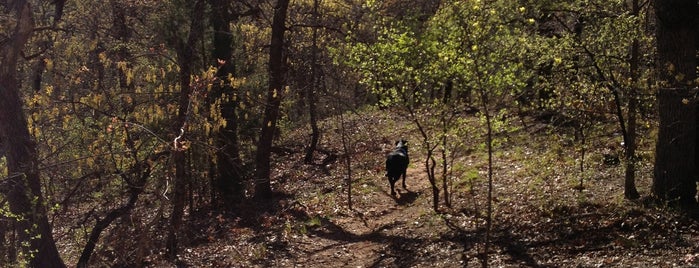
{"x":402,"y":144}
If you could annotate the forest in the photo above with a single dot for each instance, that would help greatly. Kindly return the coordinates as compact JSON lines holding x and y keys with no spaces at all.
{"x":255,"y":133}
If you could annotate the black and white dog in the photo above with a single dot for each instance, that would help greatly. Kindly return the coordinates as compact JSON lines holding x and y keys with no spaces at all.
{"x":397,"y":164}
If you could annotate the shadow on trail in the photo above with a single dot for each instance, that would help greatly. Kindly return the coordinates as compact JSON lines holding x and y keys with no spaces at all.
{"x":406,"y":198}
{"x":520,"y":241}
{"x":509,"y":243}
{"x":568,"y":232}
{"x":396,"y":250}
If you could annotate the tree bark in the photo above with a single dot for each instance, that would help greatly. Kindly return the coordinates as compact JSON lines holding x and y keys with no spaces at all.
{"x":676,"y":152}
{"x":630,"y":191}
{"x":675,"y":149}
{"x":186,"y":58}
{"x":263,"y":187}
{"x":311,"y":90}
{"x":22,"y":188}
{"x":348,"y":159}
{"x":229,"y":184}
{"x":445,"y":162}
{"x":489,"y":141}
{"x":102,"y":224}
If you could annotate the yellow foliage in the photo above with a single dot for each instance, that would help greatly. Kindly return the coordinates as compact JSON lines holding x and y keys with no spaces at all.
{"x":103,"y":57}
{"x":230,"y":79}
{"x":121,"y":65}
{"x":129,"y":76}
{"x":93,"y":44}
{"x":49,"y":64}
{"x":49,"y":90}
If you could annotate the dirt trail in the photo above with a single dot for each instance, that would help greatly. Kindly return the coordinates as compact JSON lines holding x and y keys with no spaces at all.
{"x":371,"y":236}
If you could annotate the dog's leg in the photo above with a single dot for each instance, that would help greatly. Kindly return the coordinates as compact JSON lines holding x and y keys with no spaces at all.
{"x":392,"y":182}
{"x":404,"y":187}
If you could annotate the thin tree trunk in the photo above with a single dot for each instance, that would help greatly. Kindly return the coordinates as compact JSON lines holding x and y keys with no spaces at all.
{"x":445,"y":164}
{"x":489,"y":143}
{"x":263,"y":187}
{"x":348,"y":160}
{"x":583,"y":151}
{"x":186,"y":59}
{"x":103,"y":223}
{"x":430,"y":163}
{"x":310,"y":91}
{"x":630,"y":191}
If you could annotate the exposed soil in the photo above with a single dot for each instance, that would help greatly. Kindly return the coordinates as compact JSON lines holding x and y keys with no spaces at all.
{"x":542,"y":218}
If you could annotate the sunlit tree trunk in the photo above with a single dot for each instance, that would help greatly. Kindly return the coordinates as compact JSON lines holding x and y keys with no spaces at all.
{"x":22,"y":188}
{"x":675,"y":160}
{"x":277,"y":70}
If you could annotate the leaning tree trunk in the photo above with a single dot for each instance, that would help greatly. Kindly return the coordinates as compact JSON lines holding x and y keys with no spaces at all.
{"x":22,"y":188}
{"x":263,"y":187}
{"x":676,"y":153}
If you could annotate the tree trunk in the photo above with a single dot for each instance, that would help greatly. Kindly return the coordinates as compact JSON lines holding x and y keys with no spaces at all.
{"x":675,"y":162}
{"x":630,"y":191}
{"x":675,"y":169}
{"x":186,"y":59}
{"x":22,"y":188}
{"x":103,"y":223}
{"x":430,"y":165}
{"x":229,"y":182}
{"x":263,"y":187}
{"x":310,"y":91}
{"x":445,"y":162}
{"x":348,"y":159}
{"x":489,"y":143}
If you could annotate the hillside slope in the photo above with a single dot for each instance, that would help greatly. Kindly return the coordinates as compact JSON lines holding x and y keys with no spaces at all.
{"x":542,"y":216}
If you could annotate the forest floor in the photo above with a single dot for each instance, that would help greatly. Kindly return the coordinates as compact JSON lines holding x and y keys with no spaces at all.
{"x":541,"y":215}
